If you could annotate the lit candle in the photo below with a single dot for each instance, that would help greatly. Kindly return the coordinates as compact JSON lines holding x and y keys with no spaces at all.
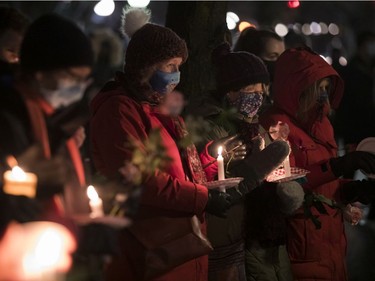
{"x":286,"y":165}
{"x":47,"y":251}
{"x":96,"y":204}
{"x":17,"y":182}
{"x":220,"y":164}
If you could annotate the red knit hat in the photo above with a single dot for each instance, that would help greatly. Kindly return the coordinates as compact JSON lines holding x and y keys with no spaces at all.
{"x":236,"y":70}
{"x":152,"y":44}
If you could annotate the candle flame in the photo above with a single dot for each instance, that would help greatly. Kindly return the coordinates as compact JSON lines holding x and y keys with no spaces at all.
{"x":18,"y":174}
{"x":47,"y":248}
{"x":91,"y":193}
{"x":219,"y":150}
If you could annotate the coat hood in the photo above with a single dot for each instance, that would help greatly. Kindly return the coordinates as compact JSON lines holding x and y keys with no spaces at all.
{"x":296,"y":70}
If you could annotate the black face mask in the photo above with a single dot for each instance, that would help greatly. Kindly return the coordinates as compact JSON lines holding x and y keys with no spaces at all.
{"x":271,"y":68}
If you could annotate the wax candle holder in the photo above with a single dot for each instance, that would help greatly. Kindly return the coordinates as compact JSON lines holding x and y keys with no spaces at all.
{"x":17,"y":182}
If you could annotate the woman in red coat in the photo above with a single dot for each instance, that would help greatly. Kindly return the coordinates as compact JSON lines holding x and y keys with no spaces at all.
{"x":127,"y":110}
{"x":305,"y":89}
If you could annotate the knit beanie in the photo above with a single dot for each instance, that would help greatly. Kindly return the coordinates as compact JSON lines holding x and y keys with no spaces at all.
{"x":151,"y":44}
{"x":236,"y":70}
{"x":53,"y":42}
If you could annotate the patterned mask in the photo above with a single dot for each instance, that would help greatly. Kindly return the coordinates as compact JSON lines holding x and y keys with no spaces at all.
{"x":248,"y":104}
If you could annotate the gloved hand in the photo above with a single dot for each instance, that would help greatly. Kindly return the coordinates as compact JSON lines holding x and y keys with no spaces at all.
{"x":218,"y":203}
{"x":255,"y":168}
{"x":291,"y":196}
{"x":353,"y":161}
{"x":358,"y":191}
{"x":233,"y":148}
{"x":237,"y":193}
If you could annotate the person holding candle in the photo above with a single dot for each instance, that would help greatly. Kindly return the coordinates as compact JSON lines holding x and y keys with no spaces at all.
{"x":242,"y":79}
{"x":305,"y":89}
{"x":128,"y":110}
{"x":56,"y":60}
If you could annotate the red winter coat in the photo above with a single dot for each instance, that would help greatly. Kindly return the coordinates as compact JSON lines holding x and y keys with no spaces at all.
{"x":316,"y":254}
{"x":117,"y":117}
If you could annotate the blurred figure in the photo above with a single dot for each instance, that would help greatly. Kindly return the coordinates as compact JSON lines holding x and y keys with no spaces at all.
{"x":356,"y":115}
{"x":108,"y":50}
{"x":56,"y":59}
{"x":13,"y":24}
{"x":265,"y":44}
{"x":31,"y":250}
{"x":295,"y":40}
{"x":306,"y":87}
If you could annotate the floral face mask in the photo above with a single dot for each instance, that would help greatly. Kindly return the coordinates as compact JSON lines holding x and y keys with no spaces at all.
{"x":248,"y":104}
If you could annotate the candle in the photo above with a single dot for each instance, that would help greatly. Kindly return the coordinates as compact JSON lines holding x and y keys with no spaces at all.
{"x":47,"y":251}
{"x":17,"y":182}
{"x":220,"y":164}
{"x":286,"y":165}
{"x":96,"y":204}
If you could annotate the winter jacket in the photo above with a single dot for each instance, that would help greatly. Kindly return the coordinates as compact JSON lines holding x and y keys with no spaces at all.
{"x":315,"y":254}
{"x":21,"y":129}
{"x":116,"y":118}
{"x":268,"y":226}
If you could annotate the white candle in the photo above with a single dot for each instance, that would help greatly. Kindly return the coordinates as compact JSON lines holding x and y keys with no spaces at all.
{"x":17,"y":182}
{"x":96,"y":204}
{"x":47,"y":251}
{"x":220,"y":164}
{"x":286,"y":164}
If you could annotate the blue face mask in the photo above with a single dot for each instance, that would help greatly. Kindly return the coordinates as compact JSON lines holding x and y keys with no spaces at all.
{"x":161,"y":81}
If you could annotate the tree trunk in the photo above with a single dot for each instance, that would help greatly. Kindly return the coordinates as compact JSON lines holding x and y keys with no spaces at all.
{"x":203,"y":26}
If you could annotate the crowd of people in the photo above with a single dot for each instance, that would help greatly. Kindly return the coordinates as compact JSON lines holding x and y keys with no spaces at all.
{"x":271,"y":108}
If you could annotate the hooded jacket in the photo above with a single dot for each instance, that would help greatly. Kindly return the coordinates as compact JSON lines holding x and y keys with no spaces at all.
{"x":315,"y":254}
{"x":117,"y":118}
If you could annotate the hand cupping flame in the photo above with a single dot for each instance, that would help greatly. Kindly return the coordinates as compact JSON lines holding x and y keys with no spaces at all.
{"x":279,"y":131}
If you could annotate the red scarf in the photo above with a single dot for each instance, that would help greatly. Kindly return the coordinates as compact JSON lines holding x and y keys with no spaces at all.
{"x":38,"y":108}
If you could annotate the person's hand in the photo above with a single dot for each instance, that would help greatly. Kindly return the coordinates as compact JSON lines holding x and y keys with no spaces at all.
{"x":353,"y":161}
{"x":52,"y":173}
{"x":352,"y":214}
{"x":358,"y":191}
{"x":255,"y":168}
{"x":79,"y":136}
{"x":233,"y":148}
{"x":218,"y":203}
{"x":239,"y":192}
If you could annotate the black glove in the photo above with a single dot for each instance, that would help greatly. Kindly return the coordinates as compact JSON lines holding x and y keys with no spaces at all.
{"x":255,"y":168}
{"x":353,"y":161}
{"x":358,"y":191}
{"x":233,"y":148}
{"x":218,"y":203}
{"x":238,"y":192}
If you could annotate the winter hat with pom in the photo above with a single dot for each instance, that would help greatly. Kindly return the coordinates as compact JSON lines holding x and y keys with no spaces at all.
{"x":149,"y":43}
{"x":53,"y":42}
{"x":236,"y":70}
